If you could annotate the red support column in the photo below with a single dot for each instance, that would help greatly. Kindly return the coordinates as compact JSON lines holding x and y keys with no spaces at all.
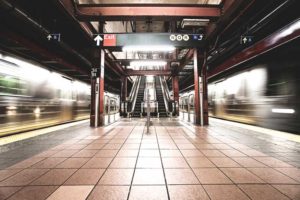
{"x":196,"y":85}
{"x":124,"y":88}
{"x":205,"y":91}
{"x":175,"y":86}
{"x":97,"y":94}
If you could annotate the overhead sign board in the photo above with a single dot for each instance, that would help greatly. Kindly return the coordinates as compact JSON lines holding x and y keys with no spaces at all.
{"x":144,"y":39}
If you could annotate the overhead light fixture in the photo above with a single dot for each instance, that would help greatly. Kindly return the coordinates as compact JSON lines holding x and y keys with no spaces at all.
{"x":148,"y":63}
{"x":157,"y":48}
{"x":283,"y":110}
{"x":194,"y":22}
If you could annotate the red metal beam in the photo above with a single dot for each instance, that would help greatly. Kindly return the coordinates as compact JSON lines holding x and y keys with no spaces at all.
{"x":283,"y":36}
{"x":130,"y":72}
{"x":110,"y":12}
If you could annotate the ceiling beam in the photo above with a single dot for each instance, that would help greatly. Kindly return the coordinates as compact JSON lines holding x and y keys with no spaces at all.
{"x":130,"y":72}
{"x":280,"y":37}
{"x":90,"y":13}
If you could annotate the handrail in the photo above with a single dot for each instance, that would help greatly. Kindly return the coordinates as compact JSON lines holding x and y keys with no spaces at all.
{"x":135,"y":95}
{"x":164,"y":96}
{"x":133,"y":89}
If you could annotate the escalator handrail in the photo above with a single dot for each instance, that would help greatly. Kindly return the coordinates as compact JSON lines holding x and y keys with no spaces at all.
{"x":135,"y":94}
{"x":164,"y":96}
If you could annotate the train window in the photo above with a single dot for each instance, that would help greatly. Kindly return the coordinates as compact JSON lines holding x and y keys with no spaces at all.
{"x":12,"y":85}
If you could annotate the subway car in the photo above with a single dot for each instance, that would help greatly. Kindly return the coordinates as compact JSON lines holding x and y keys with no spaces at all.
{"x":33,"y":97}
{"x":265,"y":95}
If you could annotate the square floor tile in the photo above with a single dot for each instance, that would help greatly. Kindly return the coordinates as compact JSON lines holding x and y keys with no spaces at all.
{"x":98,"y":163}
{"x":24,"y":177}
{"x":270,"y":175}
{"x":272,"y":162}
{"x":233,"y":153}
{"x":85,"y":177}
{"x":225,"y":192}
{"x":178,"y":162}
{"x":170,"y":153}
{"x":33,"y":193}
{"x":148,"y":163}
{"x":5,"y":192}
{"x":213,"y":153}
{"x":248,"y":162}
{"x":48,"y":163}
{"x":292,"y":191}
{"x":26,"y":163}
{"x":73,"y":163}
{"x":181,"y":176}
{"x":196,"y":162}
{"x":128,"y":153}
{"x":71,"y":192}
{"x":241,"y":175}
{"x":187,"y":192}
{"x":224,"y":162}
{"x":94,"y":146}
{"x":85,"y":153}
{"x":64,"y":153}
{"x":117,"y":177}
{"x":106,"y":153}
{"x":54,"y":177}
{"x":291,"y":172}
{"x":262,"y":192}
{"x":191,"y":153}
{"x":149,"y":153}
{"x":211,"y":176}
{"x":148,"y":193}
{"x":8,"y":172}
{"x":109,"y":193}
{"x":120,"y":162}
{"x":148,"y":177}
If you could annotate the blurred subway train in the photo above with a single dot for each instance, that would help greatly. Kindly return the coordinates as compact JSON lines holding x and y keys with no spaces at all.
{"x":265,"y":94}
{"x":32,"y":97}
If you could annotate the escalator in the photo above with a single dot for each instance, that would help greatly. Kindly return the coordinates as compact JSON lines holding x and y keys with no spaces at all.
{"x":139,"y":98}
{"x":160,"y":98}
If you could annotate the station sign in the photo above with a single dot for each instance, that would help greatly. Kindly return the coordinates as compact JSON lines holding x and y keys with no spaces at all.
{"x":144,"y":39}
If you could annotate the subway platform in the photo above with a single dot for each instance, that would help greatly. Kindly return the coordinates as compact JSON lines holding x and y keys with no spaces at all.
{"x":175,"y":160}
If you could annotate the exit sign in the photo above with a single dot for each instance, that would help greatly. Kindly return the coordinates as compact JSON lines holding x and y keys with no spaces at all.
{"x":109,"y":40}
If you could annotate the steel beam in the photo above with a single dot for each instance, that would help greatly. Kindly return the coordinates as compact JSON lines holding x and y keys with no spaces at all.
{"x":283,"y":36}
{"x":130,"y":72}
{"x":88,"y":13}
{"x":204,"y":91}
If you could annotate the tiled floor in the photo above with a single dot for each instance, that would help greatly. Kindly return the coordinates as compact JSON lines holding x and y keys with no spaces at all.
{"x":173,"y":161}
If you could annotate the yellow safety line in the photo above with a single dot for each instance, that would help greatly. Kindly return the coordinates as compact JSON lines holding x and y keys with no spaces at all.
{"x":30,"y":134}
{"x":274,"y":133}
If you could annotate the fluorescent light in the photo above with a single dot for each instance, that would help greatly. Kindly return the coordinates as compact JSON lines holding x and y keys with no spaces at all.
{"x":160,"y":48}
{"x":282,"y":110}
{"x":148,"y":63}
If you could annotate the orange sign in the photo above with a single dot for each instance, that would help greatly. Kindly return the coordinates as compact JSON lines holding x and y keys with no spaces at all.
{"x":110,"y":40}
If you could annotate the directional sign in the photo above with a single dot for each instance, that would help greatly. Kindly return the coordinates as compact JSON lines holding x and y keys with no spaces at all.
{"x":148,"y":39}
{"x":98,"y":39}
{"x":246,"y":39}
{"x":54,"y":36}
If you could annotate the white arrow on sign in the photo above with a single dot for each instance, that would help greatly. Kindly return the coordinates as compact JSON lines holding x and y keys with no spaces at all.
{"x":98,"y":39}
{"x":245,"y":40}
{"x":49,"y":37}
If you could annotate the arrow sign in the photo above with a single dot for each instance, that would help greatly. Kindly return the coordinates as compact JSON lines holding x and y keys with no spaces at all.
{"x":98,"y":39}
{"x":245,"y":40}
{"x":49,"y":37}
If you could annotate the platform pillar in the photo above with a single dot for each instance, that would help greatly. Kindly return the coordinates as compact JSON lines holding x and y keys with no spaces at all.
{"x":123,"y":94}
{"x":205,"y":91}
{"x":196,"y":86}
{"x":97,"y":93}
{"x":175,"y":85}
